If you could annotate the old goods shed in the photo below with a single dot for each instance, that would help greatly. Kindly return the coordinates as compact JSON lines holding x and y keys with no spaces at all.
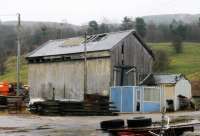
{"x":57,"y":67}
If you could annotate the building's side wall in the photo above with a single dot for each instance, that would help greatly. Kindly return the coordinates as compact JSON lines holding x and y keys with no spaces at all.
{"x":68,"y":78}
{"x":183,"y":87}
{"x":134,"y":55}
{"x":169,"y":92}
{"x":65,"y":77}
{"x":98,"y":75}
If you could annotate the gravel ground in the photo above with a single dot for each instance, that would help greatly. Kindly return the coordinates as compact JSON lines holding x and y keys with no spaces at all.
{"x":33,"y":125}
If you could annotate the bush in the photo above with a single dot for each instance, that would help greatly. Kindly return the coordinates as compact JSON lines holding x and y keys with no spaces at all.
{"x":177,"y":44}
{"x":161,"y":62}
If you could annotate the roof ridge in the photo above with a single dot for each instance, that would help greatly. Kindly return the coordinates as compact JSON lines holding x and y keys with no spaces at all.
{"x":113,"y":39}
{"x":131,"y":30}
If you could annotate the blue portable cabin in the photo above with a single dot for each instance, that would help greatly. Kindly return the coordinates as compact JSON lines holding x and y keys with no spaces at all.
{"x":136,"y":98}
{"x":124,"y":98}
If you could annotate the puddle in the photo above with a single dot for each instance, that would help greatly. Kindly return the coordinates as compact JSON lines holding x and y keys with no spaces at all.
{"x":7,"y":128}
{"x":43,"y":127}
{"x":181,"y":119}
{"x":32,"y":125}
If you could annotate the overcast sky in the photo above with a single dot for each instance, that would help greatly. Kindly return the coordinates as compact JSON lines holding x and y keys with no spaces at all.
{"x":81,"y":11}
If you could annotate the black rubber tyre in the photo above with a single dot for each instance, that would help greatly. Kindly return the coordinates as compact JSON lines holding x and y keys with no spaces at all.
{"x":112,"y":124}
{"x":139,"y":122}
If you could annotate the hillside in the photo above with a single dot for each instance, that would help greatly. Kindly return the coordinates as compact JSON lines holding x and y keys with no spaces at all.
{"x":187,"y":63}
{"x":38,"y":24}
{"x":10,"y":73}
{"x":168,"y":18}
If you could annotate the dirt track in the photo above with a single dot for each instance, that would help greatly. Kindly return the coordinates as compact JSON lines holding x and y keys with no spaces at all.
{"x":32,"y":125}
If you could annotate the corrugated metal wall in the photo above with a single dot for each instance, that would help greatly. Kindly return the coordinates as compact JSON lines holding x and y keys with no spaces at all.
{"x":125,"y":98}
{"x":128,"y":99}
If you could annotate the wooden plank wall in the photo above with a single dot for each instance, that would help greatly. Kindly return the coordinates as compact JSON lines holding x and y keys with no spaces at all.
{"x":98,"y":75}
{"x":67,"y":78}
{"x":134,"y":55}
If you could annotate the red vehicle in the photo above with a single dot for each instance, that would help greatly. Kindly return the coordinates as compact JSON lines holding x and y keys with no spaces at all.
{"x":4,"y":88}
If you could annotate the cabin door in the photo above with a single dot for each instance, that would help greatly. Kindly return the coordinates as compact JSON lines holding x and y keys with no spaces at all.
{"x":138,"y":100}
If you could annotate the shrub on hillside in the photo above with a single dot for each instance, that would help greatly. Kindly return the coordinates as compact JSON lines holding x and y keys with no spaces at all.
{"x":161,"y":62}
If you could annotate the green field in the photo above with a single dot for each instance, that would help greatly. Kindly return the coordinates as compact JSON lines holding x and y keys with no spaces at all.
{"x":10,"y":73}
{"x":187,"y":63}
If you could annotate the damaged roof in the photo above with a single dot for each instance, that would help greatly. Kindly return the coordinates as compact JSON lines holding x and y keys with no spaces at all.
{"x":168,"y":78}
{"x":99,"y":42}
{"x":156,"y":79}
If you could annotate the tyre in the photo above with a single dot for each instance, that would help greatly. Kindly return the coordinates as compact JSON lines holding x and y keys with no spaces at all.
{"x":139,"y":122}
{"x":112,"y":124}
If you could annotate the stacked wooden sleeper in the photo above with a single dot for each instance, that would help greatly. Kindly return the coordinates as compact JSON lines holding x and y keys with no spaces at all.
{"x":99,"y":107}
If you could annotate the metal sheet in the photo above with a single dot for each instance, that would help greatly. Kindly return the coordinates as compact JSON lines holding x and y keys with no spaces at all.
{"x":151,"y":107}
{"x":128,"y":99}
{"x":116,"y":97}
{"x":167,"y":78}
{"x":58,"y":47}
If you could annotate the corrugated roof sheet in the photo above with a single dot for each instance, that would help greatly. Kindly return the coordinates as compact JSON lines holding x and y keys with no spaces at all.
{"x":75,"y":45}
{"x":167,"y":79}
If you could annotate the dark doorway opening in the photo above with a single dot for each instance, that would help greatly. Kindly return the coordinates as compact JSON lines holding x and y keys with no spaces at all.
{"x":124,"y":70}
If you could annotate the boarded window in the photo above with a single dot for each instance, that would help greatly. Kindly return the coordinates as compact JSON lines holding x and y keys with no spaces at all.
{"x":152,"y":94}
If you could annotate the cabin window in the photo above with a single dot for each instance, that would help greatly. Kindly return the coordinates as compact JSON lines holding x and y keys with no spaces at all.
{"x":152,"y":94}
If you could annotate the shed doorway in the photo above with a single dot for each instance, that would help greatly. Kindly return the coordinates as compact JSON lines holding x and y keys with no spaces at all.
{"x":124,"y":75}
{"x":138,"y":100}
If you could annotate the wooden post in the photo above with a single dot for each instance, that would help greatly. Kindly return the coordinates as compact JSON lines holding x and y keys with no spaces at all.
{"x":18,"y":53}
{"x":85,"y":66}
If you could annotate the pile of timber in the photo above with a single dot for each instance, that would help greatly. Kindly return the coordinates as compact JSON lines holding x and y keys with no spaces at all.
{"x":3,"y":103}
{"x":11,"y":103}
{"x":92,"y":106}
{"x":14,"y":104}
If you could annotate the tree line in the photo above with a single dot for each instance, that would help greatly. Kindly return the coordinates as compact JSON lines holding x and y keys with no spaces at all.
{"x":31,"y":38}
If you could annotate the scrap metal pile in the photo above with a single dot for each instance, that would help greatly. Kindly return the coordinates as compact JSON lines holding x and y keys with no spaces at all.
{"x":142,"y":126}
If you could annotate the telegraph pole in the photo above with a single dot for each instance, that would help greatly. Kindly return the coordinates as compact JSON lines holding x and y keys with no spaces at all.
{"x":18,"y":53}
{"x":85,"y":66}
